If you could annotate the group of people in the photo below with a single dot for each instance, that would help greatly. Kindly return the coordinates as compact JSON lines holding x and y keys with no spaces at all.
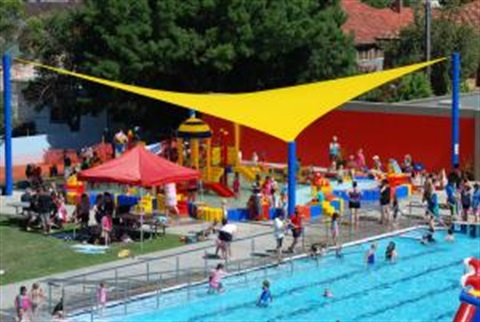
{"x":282,"y":225}
{"x":358,"y":161}
{"x":264,"y":192}
{"x":28,"y":304}
{"x":46,"y":208}
{"x":462,"y":198}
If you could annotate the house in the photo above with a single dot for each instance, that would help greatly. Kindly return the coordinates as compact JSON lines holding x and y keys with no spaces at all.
{"x":370,"y":25}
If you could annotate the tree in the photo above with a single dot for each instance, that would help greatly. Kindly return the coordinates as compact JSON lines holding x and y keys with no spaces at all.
{"x":386,"y":3}
{"x":11,"y":13}
{"x":409,"y":87}
{"x":447,"y":37}
{"x":193,"y":46}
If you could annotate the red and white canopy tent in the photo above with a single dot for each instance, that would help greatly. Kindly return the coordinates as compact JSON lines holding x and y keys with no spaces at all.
{"x":139,"y":167}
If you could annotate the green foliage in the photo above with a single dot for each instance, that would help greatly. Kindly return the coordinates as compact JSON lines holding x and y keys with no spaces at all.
{"x":192,"y":46}
{"x":447,"y":37}
{"x":410,"y":87}
{"x":386,"y":3}
{"x":11,"y":15}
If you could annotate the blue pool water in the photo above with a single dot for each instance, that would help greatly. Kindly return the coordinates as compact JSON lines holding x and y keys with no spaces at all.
{"x":423,"y":286}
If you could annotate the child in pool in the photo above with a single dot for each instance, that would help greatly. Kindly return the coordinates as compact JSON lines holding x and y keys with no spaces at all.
{"x":266,"y":297}
{"x":370,"y":255}
{"x":327,"y":293}
{"x":450,"y":236}
{"x":215,"y":280}
{"x":391,"y":252}
{"x":338,"y":252}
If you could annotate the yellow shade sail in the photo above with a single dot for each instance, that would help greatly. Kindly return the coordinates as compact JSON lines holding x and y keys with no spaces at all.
{"x":283,"y":113}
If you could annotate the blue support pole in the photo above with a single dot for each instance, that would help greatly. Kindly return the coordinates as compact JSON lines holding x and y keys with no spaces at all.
{"x":292,"y":175}
{"x":191,"y":113}
{"x":7,"y":110}
{"x":456,"y":109}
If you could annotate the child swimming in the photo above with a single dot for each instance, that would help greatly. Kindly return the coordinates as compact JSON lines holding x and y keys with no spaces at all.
{"x":327,"y":293}
{"x":266,"y":297}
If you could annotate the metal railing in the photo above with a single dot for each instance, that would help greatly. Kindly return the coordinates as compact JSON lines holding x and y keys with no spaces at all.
{"x":153,"y":275}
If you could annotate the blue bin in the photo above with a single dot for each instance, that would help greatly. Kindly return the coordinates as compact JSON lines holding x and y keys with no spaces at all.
{"x":237,"y":214}
{"x":123,"y":200}
{"x":315,"y":211}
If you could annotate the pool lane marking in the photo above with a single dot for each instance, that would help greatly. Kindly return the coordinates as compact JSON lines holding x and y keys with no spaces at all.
{"x":404,"y":302}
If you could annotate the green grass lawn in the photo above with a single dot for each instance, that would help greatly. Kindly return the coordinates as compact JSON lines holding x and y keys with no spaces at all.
{"x":27,"y":255}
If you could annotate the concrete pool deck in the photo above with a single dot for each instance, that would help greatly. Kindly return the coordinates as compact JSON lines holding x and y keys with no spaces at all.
{"x":242,"y":250}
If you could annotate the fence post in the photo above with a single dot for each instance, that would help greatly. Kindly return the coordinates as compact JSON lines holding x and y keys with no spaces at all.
{"x":303,"y":239}
{"x":177,"y":268}
{"x":291,"y":267}
{"x":148,"y":271}
{"x":116,"y":284}
{"x":84,"y":281}
{"x":92,"y":301}
{"x":252,"y":245}
{"x":189,"y":282}
{"x":49,"y":297}
{"x":158,"y":290}
{"x":64,"y":298}
{"x":126,"y":298}
{"x":205,"y":265}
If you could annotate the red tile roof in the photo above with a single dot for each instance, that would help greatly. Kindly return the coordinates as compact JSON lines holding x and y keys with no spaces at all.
{"x":369,"y":24}
{"x":469,"y":14}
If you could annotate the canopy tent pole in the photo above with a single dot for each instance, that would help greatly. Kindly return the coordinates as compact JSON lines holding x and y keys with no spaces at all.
{"x":7,"y":107}
{"x":292,"y":165}
{"x":456,"y":109}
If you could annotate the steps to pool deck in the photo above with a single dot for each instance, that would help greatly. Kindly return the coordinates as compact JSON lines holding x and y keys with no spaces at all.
{"x":470,"y":228}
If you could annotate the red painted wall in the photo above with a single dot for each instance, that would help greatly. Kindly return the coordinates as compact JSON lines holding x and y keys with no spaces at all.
{"x":426,"y":138}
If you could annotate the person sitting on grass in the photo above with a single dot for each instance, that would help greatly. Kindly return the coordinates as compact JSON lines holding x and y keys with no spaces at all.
{"x":215,"y":280}
{"x":266,"y":296}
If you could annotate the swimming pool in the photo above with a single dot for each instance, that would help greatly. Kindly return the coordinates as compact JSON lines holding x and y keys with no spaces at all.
{"x":422,"y":286}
